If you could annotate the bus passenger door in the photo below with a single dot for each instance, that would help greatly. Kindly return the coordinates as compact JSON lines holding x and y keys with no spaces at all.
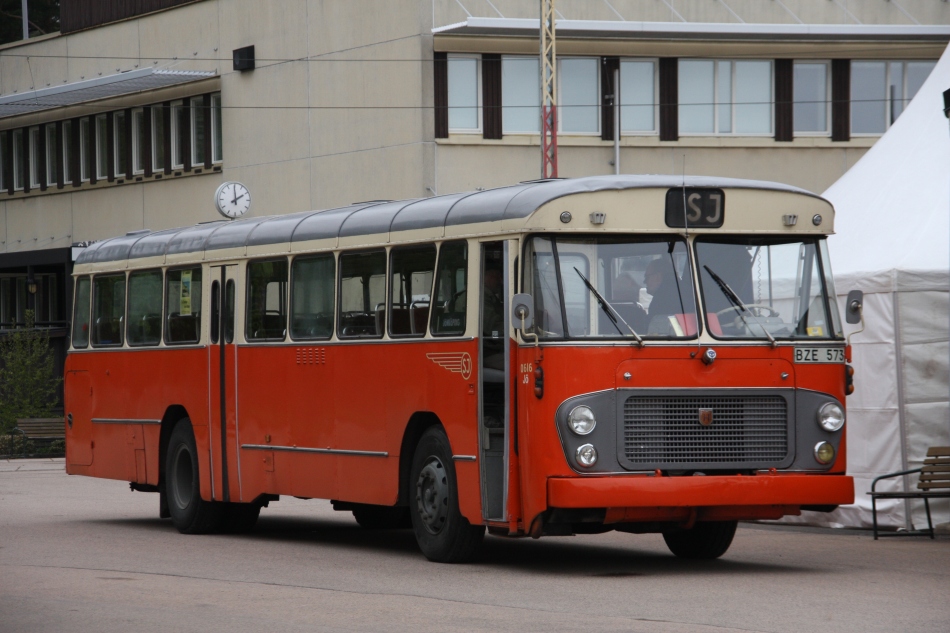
{"x":494,"y":379}
{"x":222,"y":373}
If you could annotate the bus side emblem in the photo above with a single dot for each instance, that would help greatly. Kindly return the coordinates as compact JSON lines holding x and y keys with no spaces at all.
{"x":705,"y":417}
{"x":455,"y":362}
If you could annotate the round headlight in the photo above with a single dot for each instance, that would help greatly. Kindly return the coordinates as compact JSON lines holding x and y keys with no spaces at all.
{"x":831,"y":417}
{"x":582,"y":420}
{"x":586,"y":455}
{"x":824,"y":453}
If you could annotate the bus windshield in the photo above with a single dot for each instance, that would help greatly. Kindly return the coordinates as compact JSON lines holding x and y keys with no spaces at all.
{"x":610,"y":287}
{"x":766,"y":288}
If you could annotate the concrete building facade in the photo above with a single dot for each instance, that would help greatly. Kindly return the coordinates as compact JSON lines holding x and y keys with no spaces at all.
{"x":131,"y":118}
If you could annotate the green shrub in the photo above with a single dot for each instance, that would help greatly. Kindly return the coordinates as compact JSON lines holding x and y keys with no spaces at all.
{"x":28,"y":383}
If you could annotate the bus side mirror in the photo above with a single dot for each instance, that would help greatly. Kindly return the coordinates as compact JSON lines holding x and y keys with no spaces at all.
{"x":521,"y":314}
{"x":855,"y":304}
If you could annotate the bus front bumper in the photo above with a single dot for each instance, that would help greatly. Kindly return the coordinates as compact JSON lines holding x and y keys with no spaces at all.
{"x":647,"y":498}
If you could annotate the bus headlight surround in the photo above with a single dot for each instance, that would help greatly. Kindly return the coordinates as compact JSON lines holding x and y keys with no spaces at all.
{"x":824,"y":453}
{"x":586,"y":455}
{"x":581,"y":420}
{"x":831,"y":417}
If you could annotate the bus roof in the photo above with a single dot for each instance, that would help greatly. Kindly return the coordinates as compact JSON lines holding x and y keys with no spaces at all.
{"x":367,"y":218}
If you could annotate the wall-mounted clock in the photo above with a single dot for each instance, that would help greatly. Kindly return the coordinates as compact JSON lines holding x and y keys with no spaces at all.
{"x":232,"y":200}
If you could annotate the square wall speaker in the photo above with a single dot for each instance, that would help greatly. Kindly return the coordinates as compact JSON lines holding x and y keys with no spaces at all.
{"x":244,"y":58}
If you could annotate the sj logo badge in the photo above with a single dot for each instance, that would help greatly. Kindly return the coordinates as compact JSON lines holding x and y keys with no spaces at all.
{"x":706,"y":417}
{"x":455,"y":362}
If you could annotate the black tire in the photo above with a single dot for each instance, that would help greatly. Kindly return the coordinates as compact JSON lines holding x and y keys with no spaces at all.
{"x":382,"y":517}
{"x":189,"y":512}
{"x":240,"y":518}
{"x":443,"y":534}
{"x":704,"y":541}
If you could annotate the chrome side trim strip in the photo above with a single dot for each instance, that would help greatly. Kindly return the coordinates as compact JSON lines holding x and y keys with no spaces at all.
{"x":124,"y":421}
{"x":463,"y":458}
{"x":319,"y":451}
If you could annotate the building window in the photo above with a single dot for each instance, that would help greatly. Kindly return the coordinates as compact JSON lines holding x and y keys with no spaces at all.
{"x":52,"y":155}
{"x":881,"y":90}
{"x":19,"y":163}
{"x":3,"y":161}
{"x":579,"y":98}
{"x":138,"y":141}
{"x":637,"y":96}
{"x":179,"y":134}
{"x":520,"y":95}
{"x":725,"y":97}
{"x":216,"y":153}
{"x":102,"y":144}
{"x":34,"y":157}
{"x":85,"y":147}
{"x":121,"y":139}
{"x":67,"y":153}
{"x":198,"y":128}
{"x":811,"y":104}
{"x":158,"y":139}
{"x":464,"y":93}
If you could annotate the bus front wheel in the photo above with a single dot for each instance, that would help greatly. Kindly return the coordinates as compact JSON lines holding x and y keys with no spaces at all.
{"x":443,"y":534}
{"x":704,"y":541}
{"x":189,"y":512}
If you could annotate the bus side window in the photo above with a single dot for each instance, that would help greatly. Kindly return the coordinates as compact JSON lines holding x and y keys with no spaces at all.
{"x":448,"y":312}
{"x":311,"y":297}
{"x":145,"y":308}
{"x":81,"y":314}
{"x":267,"y":300}
{"x":229,"y":303}
{"x":183,"y":306}
{"x":362,"y":294}
{"x":108,"y":309}
{"x":410,"y":289}
{"x":215,"y":311}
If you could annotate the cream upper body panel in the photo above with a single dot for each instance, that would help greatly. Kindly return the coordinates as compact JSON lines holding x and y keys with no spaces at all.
{"x":624,"y":203}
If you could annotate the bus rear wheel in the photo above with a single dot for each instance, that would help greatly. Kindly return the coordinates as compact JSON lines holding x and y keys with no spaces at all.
{"x":189,"y":512}
{"x":443,"y":534}
{"x":704,"y":541}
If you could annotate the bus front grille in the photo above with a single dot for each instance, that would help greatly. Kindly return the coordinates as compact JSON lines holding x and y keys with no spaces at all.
{"x":703,"y":431}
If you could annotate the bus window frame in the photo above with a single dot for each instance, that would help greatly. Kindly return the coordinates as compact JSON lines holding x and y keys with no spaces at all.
{"x":247,"y":300}
{"x":290,"y":290}
{"x":339,"y":295}
{"x":435,"y":287}
{"x":201,"y":323}
{"x":389,"y":289}
{"x":72,"y":331}
{"x":639,"y":237}
{"x":92,"y":310}
{"x":127,"y":302}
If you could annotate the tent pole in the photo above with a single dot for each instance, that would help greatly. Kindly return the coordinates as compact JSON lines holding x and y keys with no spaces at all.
{"x":898,"y":351}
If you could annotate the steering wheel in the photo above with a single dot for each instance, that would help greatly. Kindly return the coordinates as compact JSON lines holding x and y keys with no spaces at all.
{"x":755,"y":308}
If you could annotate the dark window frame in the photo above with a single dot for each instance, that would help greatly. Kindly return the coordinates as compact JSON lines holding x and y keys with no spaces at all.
{"x":247,"y":301}
{"x":165,"y":312}
{"x":333,"y":316}
{"x":128,"y":301}
{"x":435,"y":288}
{"x":339,"y":294}
{"x":92,"y":310}
{"x":389,"y":289}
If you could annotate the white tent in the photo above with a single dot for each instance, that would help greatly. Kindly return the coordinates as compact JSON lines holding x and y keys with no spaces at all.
{"x":892,"y":225}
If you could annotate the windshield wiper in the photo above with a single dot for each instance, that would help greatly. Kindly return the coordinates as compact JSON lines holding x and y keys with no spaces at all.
{"x":608,"y":309}
{"x":734,"y":298}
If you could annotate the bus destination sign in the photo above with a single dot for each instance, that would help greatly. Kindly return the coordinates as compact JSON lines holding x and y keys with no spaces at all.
{"x":705,"y":208}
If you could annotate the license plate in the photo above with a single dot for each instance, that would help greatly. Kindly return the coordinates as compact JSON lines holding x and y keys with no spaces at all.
{"x":819,"y":355}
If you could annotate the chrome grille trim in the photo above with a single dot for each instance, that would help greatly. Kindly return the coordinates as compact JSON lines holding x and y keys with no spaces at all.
{"x":662,"y":430}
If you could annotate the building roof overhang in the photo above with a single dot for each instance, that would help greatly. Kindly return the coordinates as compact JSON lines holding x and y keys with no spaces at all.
{"x":96,"y":89}
{"x":607,"y":29}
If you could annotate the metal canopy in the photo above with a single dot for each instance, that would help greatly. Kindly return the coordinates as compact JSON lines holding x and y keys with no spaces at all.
{"x":95,"y":89}
{"x":375,"y":218}
{"x":522,"y":27}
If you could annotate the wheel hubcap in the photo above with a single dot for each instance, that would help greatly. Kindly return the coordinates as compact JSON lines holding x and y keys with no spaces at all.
{"x":183,"y":478}
{"x":432,"y":495}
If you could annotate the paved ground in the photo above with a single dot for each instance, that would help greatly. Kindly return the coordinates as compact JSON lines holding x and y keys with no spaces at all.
{"x":80,"y":554}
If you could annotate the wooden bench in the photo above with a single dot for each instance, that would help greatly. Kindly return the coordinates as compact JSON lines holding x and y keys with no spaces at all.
{"x":42,"y":428}
{"x":933,"y":483}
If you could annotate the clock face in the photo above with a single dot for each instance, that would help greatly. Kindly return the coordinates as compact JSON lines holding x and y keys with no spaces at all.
{"x":232,"y":199}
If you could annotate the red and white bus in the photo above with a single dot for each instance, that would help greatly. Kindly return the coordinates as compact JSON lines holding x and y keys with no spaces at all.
{"x":633,"y":353}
